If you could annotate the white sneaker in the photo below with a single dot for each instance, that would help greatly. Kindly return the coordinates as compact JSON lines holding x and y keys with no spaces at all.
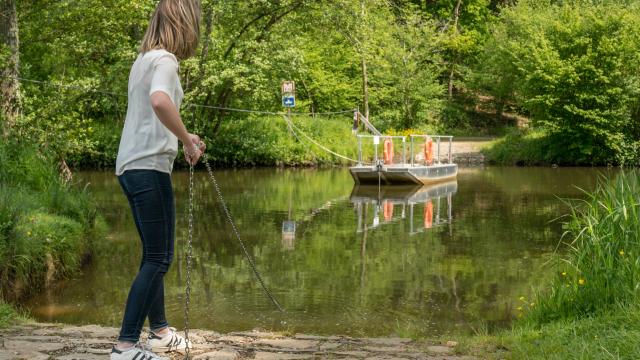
{"x":138,"y":352}
{"x":170,"y":342}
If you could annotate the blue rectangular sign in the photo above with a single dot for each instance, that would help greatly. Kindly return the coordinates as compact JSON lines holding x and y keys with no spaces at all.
{"x":289,"y":101}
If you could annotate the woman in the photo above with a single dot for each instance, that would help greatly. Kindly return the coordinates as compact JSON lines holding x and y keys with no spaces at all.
{"x":148,"y":147}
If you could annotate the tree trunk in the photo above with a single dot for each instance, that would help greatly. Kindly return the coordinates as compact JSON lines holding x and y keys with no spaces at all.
{"x":9,"y":84}
{"x":451,"y":78}
{"x":456,"y":18}
{"x":365,"y":76}
{"x":208,"y":19}
{"x":365,"y":88}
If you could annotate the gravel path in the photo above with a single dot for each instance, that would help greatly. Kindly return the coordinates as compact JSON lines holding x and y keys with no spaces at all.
{"x":62,"y":342}
{"x":465,"y":152}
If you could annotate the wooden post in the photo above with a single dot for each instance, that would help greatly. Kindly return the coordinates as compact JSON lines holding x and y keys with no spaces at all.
{"x":365,"y":76}
{"x":9,"y":83}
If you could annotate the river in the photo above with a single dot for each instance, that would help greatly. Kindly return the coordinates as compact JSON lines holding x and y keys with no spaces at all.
{"x":450,"y":259}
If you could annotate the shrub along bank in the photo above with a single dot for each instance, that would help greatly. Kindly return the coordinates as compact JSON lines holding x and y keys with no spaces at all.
{"x":590,"y":309}
{"x":247,"y":141}
{"x":47,"y":226}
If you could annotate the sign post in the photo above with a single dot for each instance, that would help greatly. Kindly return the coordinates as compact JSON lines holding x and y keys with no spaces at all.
{"x":288,"y":94}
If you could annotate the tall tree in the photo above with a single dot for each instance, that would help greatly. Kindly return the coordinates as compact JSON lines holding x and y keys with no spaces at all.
{"x":9,"y":46}
{"x":455,"y":30}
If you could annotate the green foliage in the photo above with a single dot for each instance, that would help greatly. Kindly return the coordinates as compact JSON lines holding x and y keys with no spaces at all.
{"x":84,"y":47}
{"x":251,"y":48}
{"x":260,"y":141}
{"x":8,"y":315}
{"x":572,"y":67}
{"x":405,"y":89}
{"x":4,"y":55}
{"x":46,"y":226}
{"x":605,"y":335}
{"x":590,"y":308}
{"x":601,"y":269}
{"x":522,"y":148}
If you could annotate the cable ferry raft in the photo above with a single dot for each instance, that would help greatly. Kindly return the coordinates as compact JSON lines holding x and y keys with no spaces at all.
{"x":418,"y":160}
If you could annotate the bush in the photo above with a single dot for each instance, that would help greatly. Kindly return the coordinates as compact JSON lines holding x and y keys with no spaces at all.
{"x":572,"y":67}
{"x":245,"y":141}
{"x":46,"y":225}
{"x":601,"y":269}
{"x":522,"y":148}
{"x":8,"y":315}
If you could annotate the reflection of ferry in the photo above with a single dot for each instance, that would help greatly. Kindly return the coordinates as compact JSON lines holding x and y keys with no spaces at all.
{"x":394,"y":203}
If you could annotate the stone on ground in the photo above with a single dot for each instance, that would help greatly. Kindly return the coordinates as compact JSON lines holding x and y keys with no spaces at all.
{"x":51,"y":341}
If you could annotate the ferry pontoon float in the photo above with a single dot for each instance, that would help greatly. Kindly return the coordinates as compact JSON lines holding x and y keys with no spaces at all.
{"x":418,"y":160}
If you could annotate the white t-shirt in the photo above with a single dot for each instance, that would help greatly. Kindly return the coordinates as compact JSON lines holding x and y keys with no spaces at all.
{"x":146,"y":143}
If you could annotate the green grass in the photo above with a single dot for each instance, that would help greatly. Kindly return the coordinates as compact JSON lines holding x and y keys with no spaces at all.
{"x":532,"y":147}
{"x":612,"y":334}
{"x":46,"y":225}
{"x":266,"y":141}
{"x":10,"y":316}
{"x":247,"y":141}
{"x":522,"y":148}
{"x":591,"y":309}
{"x":601,"y":269}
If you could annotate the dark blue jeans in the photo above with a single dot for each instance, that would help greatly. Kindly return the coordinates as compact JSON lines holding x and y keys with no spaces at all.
{"x":150,"y":196}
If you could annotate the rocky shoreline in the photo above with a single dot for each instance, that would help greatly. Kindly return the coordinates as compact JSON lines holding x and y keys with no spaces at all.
{"x":39,"y":341}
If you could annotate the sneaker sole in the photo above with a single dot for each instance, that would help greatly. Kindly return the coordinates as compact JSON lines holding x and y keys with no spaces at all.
{"x":165,"y":349}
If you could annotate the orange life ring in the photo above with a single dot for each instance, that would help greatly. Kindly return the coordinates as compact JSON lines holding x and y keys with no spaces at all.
{"x":388,"y":210}
{"x":428,"y":151}
{"x":388,"y":151}
{"x":428,"y":215}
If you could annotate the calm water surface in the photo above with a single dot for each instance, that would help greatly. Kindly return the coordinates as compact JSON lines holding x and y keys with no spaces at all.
{"x":340,"y":260}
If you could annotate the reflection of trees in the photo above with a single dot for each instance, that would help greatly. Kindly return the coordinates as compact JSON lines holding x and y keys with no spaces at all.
{"x":371,"y":282}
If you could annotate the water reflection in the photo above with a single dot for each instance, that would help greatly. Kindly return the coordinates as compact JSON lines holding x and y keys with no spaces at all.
{"x":399,"y":203}
{"x":340,"y":260}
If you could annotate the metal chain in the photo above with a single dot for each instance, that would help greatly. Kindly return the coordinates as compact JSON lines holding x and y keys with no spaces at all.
{"x":237,"y":233}
{"x":187,"y":295}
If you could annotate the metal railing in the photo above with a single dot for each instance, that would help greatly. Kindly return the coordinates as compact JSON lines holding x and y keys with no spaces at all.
{"x":437,"y":138}
{"x":379,"y":139}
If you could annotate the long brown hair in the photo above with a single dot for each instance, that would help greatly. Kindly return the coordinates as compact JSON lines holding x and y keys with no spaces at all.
{"x":175,"y":27}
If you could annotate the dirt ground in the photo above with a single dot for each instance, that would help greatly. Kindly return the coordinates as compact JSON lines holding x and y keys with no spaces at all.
{"x":464,"y":152}
{"x":54,"y":341}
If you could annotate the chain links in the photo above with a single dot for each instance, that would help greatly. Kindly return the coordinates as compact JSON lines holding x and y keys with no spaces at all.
{"x":237,"y":233}
{"x":187,"y":295}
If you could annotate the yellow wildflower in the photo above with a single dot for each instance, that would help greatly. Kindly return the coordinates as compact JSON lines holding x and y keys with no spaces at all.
{"x":581,"y":281}
{"x":621,"y":252}
{"x":519,"y":308}
{"x":29,"y":233}
{"x":521,"y":298}
{"x":564,"y":273}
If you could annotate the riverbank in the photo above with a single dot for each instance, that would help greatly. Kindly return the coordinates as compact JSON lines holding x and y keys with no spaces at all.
{"x":589,"y":309}
{"x":611,"y":334}
{"x":539,"y":147}
{"x":269,"y":141}
{"x":47,"y":224}
{"x":62,"y":342}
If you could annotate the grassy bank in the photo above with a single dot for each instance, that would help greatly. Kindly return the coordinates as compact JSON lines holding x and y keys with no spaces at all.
{"x":591,"y":308}
{"x":247,"y":141}
{"x":47,"y":226}
{"x":523,"y":147}
{"x":10,"y":316}
{"x":609,"y":334}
